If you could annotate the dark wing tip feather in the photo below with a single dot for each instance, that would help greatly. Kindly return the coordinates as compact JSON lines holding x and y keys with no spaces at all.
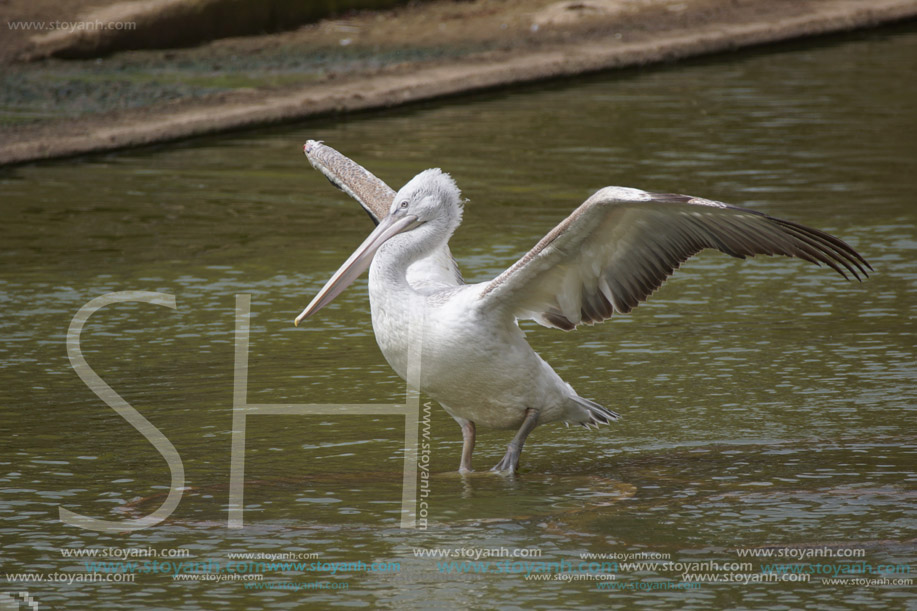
{"x":557,"y":319}
{"x":831,"y":247}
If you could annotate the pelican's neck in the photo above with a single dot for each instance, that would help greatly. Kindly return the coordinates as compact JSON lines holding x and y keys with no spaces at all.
{"x":388,"y":271}
{"x":396,"y":305}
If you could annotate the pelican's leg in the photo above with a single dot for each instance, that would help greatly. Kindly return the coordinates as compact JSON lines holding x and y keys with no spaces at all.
{"x":510,"y":460}
{"x":468,"y":432}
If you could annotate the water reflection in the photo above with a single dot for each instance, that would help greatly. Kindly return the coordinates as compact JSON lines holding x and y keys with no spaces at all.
{"x":765,"y":403}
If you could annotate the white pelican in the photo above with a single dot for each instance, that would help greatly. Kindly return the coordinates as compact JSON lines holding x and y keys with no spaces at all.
{"x":608,"y":256}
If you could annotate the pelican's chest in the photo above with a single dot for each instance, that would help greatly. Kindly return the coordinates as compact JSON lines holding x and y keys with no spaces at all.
{"x":433,"y":323}
{"x":391,"y":325}
{"x":393,"y":306}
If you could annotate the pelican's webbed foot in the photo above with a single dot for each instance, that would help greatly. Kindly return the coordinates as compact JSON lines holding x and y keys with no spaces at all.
{"x":510,"y":461}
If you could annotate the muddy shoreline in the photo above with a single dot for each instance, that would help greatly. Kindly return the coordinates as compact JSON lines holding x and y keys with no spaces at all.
{"x":455,"y":47}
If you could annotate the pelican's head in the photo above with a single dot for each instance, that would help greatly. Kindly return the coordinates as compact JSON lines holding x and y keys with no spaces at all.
{"x":433,"y":197}
{"x":428,"y":207}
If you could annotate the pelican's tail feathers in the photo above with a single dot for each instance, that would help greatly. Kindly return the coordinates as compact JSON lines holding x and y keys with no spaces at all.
{"x":597,"y":414}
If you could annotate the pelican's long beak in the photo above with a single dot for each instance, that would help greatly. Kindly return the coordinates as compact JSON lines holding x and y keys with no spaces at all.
{"x":357,"y":263}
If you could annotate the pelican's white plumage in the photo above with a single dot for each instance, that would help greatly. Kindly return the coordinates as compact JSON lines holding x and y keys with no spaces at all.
{"x":608,"y":256}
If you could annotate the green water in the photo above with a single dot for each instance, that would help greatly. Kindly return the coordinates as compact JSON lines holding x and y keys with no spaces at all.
{"x":764,"y":403}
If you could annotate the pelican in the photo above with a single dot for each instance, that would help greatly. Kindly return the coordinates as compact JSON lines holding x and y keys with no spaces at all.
{"x":607,"y":257}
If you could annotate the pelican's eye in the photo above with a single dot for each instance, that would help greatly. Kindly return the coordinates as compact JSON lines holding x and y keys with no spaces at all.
{"x":404,"y":204}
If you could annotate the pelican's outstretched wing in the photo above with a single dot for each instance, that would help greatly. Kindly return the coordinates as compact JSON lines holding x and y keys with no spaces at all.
{"x":621,"y":244}
{"x":433,"y":272}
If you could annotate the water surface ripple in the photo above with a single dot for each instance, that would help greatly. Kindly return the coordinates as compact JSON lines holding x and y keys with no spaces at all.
{"x":765,"y":403}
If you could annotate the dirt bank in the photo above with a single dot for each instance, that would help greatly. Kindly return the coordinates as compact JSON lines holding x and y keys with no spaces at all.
{"x":164,"y":24}
{"x":377,"y":59}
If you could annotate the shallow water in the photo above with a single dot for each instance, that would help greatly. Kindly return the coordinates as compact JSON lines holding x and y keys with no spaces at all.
{"x":766,"y":404}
